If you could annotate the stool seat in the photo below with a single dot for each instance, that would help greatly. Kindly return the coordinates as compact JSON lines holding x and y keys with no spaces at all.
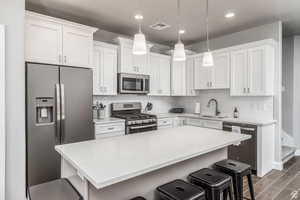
{"x":233,"y":166}
{"x":237,"y":170}
{"x":215,"y":183}
{"x":180,"y":190}
{"x":209,"y":177}
{"x":138,"y":198}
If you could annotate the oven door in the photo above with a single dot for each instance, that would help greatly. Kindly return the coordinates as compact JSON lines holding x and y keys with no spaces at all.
{"x":133,"y":84}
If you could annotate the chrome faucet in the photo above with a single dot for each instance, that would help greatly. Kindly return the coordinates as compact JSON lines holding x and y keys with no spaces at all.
{"x":217,"y":112}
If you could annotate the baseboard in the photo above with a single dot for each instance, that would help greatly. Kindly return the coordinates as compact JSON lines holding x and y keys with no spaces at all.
{"x":297,"y":152}
{"x":278,"y":165}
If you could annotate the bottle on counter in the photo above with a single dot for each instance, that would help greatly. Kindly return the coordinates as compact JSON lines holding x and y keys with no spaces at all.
{"x":235,"y":113}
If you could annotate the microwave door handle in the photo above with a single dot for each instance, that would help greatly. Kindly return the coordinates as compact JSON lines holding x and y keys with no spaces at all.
{"x":58,"y":113}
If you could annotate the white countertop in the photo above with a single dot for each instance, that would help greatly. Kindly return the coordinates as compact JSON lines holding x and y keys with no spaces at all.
{"x":109,"y":161}
{"x":108,"y":120}
{"x":259,"y":122}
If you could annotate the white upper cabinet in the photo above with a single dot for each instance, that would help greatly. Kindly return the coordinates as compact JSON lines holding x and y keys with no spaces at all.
{"x":43,"y":41}
{"x":252,"y":70}
{"x":159,"y":68}
{"x":77,"y":47}
{"x":221,"y":70}
{"x":215,"y":77}
{"x":190,"y":73}
{"x":178,"y":76}
{"x":128,"y":62}
{"x":105,"y":69}
{"x":56,"y":41}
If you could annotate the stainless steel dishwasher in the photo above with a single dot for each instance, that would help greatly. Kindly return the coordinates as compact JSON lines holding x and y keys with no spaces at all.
{"x":246,"y":152}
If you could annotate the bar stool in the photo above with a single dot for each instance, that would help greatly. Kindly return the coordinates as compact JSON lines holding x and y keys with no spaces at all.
{"x":138,"y":198}
{"x":237,"y":170}
{"x":215,"y":183}
{"x":180,"y":190}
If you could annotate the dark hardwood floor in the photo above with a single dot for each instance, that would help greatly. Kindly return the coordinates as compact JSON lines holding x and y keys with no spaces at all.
{"x":278,"y":185}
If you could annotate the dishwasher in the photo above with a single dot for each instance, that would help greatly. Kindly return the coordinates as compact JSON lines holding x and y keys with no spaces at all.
{"x":246,"y":152}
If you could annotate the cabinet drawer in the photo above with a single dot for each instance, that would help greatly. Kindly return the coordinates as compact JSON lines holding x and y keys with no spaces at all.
{"x":109,"y":134}
{"x":194,"y":122}
{"x":107,"y":128}
{"x":165,"y":122}
{"x":212,"y":124}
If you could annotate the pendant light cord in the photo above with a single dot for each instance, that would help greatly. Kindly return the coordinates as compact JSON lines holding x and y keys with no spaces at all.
{"x":207,"y":31}
{"x":178,"y":20}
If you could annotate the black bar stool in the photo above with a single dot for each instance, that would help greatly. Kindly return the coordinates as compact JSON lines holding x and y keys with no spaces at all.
{"x":237,"y":170}
{"x":138,"y":198}
{"x":180,"y":190}
{"x":215,"y":183}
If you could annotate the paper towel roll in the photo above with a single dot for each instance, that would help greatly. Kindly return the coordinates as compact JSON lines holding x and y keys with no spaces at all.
{"x":197,"y":108}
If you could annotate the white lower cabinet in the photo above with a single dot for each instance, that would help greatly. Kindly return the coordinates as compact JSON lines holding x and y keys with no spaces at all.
{"x":105,"y":69}
{"x":159,"y":69}
{"x":109,"y":130}
{"x":178,"y":78}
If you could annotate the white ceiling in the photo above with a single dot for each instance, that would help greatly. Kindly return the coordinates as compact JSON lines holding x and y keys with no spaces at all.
{"x":117,"y":15}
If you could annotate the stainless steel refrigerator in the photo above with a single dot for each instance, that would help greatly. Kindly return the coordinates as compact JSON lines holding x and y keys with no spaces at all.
{"x":59,"y":111}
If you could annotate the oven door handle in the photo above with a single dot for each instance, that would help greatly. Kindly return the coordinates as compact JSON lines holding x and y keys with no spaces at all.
{"x":145,"y":126}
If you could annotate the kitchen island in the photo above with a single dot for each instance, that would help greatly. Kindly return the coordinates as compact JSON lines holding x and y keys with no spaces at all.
{"x":132,"y":165}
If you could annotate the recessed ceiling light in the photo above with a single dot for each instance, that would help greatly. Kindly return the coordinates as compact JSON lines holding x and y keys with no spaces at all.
{"x":229,"y":14}
{"x":181,"y":31}
{"x":138,"y":17}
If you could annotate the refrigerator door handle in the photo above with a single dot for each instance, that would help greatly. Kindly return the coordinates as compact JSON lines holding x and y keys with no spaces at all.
{"x":58,"y":113}
{"x":63,"y":112}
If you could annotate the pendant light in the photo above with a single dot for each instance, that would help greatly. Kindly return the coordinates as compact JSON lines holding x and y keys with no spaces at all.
{"x":179,"y":51}
{"x":208,"y":60}
{"x":139,"y":41}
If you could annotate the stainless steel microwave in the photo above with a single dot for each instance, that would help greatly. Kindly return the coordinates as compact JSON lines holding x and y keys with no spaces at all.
{"x":133,"y":83}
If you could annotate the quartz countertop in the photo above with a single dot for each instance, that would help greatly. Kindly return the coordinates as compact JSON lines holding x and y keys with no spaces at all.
{"x":259,"y":122}
{"x":117,"y":159}
{"x":108,"y":120}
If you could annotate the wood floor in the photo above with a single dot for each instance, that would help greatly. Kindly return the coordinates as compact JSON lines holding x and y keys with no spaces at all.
{"x":278,"y":185}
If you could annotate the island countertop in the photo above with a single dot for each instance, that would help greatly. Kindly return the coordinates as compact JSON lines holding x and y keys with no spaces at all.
{"x":108,"y":161}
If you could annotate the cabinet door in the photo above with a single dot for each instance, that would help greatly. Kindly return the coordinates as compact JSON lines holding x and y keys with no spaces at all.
{"x":178,"y":79}
{"x":140,"y":64}
{"x":256,"y":71}
{"x":203,"y":75}
{"x":77,"y":47}
{"x":165,"y":76}
{"x":43,"y":41}
{"x":239,"y":73}
{"x":97,"y":72}
{"x":221,"y":71}
{"x":127,"y":60}
{"x":190,"y":73}
{"x":154,"y":75}
{"x":109,"y":74}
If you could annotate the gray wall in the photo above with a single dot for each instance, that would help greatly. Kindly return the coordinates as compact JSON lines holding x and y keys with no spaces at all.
{"x":245,"y":36}
{"x":12,"y":15}
{"x":288,"y":84}
{"x":296,"y":109}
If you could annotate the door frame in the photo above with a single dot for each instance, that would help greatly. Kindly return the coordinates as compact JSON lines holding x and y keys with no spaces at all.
{"x":2,"y":112}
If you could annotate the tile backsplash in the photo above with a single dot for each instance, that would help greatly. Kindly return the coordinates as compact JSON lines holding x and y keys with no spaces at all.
{"x":249,"y":107}
{"x":160,"y":104}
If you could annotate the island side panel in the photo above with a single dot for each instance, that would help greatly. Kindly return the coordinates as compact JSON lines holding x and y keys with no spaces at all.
{"x":146,"y":184}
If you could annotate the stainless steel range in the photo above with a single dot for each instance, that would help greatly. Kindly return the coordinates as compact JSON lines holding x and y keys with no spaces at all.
{"x":136,"y":121}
